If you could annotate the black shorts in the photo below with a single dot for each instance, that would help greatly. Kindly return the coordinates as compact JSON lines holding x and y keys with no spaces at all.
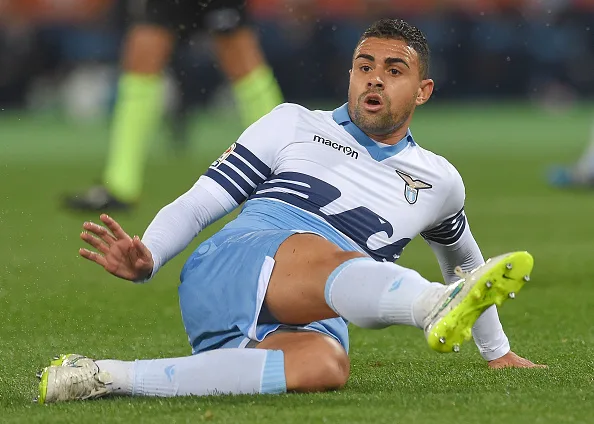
{"x":188,"y":16}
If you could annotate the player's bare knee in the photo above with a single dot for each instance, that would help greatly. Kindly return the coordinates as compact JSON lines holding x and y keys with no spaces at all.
{"x":238,"y":52}
{"x":148,"y":48}
{"x":327,"y":371}
{"x":322,"y":366}
{"x":334,"y":368}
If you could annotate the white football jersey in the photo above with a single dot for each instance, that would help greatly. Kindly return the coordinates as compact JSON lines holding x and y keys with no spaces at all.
{"x":316,"y":171}
{"x":377,"y":197}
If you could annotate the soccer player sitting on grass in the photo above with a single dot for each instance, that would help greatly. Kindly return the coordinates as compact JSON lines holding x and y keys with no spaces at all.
{"x":333,"y":197}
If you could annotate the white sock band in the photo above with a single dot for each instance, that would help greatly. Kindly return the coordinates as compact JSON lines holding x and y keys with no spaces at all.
{"x":374,"y":294}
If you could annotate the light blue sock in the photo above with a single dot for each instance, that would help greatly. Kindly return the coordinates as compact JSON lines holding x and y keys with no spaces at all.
{"x":223,"y":371}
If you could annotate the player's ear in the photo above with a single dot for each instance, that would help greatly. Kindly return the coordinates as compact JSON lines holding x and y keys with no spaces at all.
{"x":425,"y":91}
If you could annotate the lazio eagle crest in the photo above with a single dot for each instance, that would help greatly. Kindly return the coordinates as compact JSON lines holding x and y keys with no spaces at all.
{"x":412,"y":187}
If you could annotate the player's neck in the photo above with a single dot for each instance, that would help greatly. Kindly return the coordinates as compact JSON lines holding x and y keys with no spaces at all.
{"x":391,"y":138}
{"x":395,"y":136}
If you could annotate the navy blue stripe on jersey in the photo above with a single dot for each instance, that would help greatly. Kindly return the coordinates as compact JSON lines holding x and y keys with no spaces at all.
{"x":239,"y":180}
{"x":245,"y":169}
{"x":252,"y":159}
{"x":449,"y":231}
{"x":237,"y":195}
{"x":312,"y":195}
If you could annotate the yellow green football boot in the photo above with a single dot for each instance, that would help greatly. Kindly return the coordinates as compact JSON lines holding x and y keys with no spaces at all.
{"x":71,"y":377}
{"x":450,"y":322}
{"x":69,"y":360}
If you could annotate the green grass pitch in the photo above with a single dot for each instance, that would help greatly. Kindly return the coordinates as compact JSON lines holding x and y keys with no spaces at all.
{"x":52,"y":301}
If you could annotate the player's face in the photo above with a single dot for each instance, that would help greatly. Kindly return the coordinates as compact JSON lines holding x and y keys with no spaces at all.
{"x":385,"y":86}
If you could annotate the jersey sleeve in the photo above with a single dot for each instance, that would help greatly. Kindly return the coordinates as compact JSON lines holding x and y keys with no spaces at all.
{"x":226,"y":183}
{"x":451,"y":221}
{"x":252,"y":159}
{"x":176,"y":225}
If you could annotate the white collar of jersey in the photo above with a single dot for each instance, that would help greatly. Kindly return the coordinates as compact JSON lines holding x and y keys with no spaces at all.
{"x":377,"y":152}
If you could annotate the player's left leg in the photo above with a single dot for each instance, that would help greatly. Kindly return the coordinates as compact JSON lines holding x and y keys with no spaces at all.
{"x":284,"y":361}
{"x":314,"y":280}
{"x":241,"y":58}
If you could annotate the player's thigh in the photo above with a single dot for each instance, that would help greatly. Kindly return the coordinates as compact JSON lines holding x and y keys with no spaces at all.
{"x":313,"y":361}
{"x":303,"y":263}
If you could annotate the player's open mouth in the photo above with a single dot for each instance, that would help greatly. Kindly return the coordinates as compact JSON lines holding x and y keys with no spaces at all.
{"x":373,"y":102}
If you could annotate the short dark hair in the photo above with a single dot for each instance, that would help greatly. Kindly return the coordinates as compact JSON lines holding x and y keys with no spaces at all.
{"x":398,"y":29}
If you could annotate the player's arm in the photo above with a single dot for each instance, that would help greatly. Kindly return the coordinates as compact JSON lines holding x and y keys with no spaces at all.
{"x":177,"y":224}
{"x":226,"y":184}
{"x":454,"y":245}
{"x":229,"y":181}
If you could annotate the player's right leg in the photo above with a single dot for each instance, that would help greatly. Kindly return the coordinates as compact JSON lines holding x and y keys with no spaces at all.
{"x":221,"y":298}
{"x":138,"y":110}
{"x":303,"y":361}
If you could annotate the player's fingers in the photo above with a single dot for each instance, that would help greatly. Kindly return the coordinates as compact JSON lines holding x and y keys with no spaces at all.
{"x":526,"y":363}
{"x":96,"y":242}
{"x":115,"y":228}
{"x":142,"y":249}
{"x":100,"y":231}
{"x":530,"y":365}
{"x":498,"y":365}
{"x":93,"y":256}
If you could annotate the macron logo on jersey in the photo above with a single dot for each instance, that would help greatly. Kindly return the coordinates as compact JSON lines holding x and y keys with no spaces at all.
{"x":344,"y":149}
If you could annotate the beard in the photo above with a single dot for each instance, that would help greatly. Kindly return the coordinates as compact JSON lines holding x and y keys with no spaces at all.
{"x":383,"y":122}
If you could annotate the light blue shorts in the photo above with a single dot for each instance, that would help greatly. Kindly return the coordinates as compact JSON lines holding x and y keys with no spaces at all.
{"x":222,"y":290}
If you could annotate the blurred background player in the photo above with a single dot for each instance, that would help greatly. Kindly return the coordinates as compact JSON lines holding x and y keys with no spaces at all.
{"x":147,"y":51}
{"x":580,"y":174}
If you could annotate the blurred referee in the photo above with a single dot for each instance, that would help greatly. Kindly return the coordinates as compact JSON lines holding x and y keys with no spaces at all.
{"x":138,"y":111}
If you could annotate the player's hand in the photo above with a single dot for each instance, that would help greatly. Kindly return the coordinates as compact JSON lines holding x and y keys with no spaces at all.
{"x":511,"y":360}
{"x":120,"y":254}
